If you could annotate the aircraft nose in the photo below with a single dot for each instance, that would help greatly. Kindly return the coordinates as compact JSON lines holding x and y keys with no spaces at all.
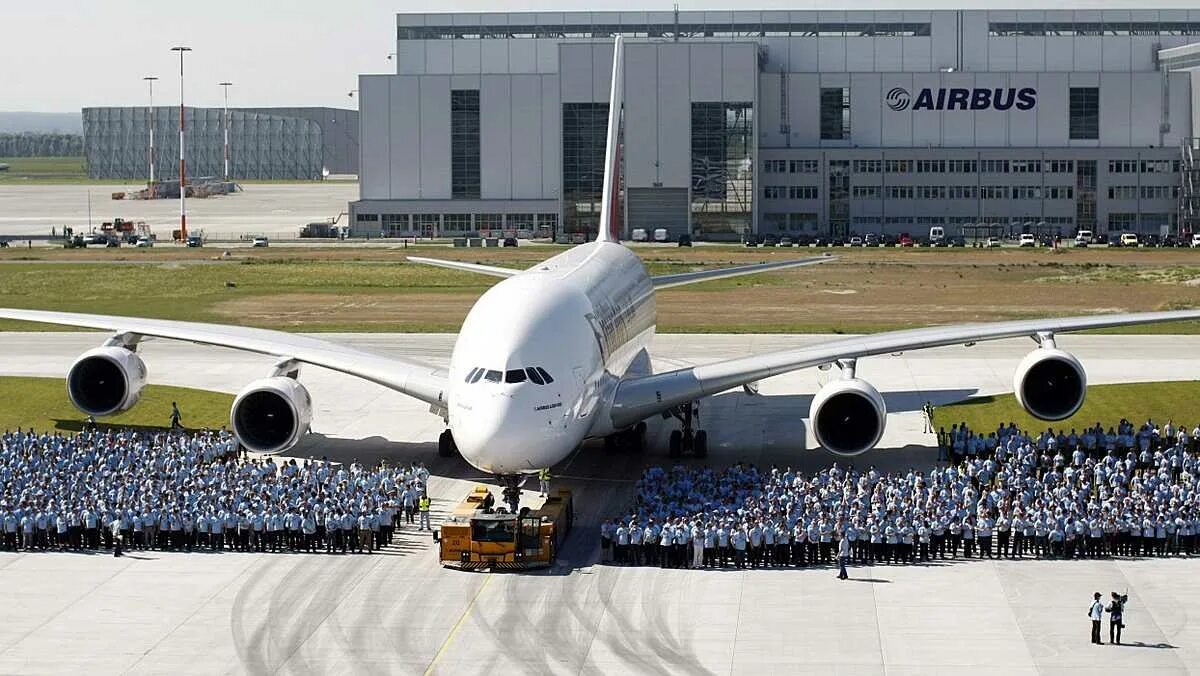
{"x":500,"y":437}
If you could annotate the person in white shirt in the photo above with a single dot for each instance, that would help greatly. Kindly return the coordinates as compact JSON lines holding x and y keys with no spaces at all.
{"x":843,"y":556}
{"x":1096,"y":613}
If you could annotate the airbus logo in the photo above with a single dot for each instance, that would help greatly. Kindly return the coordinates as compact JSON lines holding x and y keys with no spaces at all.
{"x":898,"y":98}
{"x":956,"y":98}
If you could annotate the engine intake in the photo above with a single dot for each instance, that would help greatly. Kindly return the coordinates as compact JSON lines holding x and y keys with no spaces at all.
{"x":1050,"y":384}
{"x":106,"y":380}
{"x":271,"y":415}
{"x":848,"y":416}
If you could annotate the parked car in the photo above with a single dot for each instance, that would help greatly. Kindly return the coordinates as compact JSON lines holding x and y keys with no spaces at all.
{"x":906,"y":239}
{"x":770,"y":239}
{"x":1027,"y":239}
{"x":750,"y":240}
{"x":992,"y":243}
{"x":1129,"y":239}
{"x":260,"y":242}
{"x":803,"y":240}
{"x":684,"y":240}
{"x":144,"y":242}
{"x":957,"y":241}
{"x":937,"y":234}
{"x":786,"y":240}
{"x":871,"y":239}
{"x":1195,"y":240}
{"x":1151,"y":239}
{"x":638,"y":235}
{"x":856,"y":241}
{"x":509,"y":241}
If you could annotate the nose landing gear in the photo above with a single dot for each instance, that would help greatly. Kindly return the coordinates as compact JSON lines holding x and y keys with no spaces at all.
{"x":512,"y":491}
{"x":446,"y":446}
{"x":687,"y":438}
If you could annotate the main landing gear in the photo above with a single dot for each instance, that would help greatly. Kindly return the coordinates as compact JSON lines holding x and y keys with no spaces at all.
{"x":632,"y":439}
{"x":446,"y":446}
{"x":687,"y":438}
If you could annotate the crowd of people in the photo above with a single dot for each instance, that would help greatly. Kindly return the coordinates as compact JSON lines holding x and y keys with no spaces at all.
{"x":1128,"y":491}
{"x":194,"y":491}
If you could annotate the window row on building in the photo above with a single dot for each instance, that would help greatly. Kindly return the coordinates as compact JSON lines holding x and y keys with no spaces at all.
{"x":435,"y":225}
{"x":1092,"y":28}
{"x":754,"y":29}
{"x":1146,"y":192}
{"x":903,"y":166}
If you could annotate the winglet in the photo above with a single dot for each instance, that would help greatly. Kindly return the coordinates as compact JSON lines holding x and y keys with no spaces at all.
{"x":610,"y":205}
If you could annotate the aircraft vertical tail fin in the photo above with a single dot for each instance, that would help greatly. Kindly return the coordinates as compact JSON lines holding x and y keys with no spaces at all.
{"x":610,"y":205}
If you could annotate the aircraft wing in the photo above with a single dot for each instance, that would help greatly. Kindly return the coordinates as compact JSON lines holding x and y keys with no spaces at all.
{"x":641,"y":397}
{"x":422,"y":381}
{"x":668,"y":281}
{"x":465,"y":267}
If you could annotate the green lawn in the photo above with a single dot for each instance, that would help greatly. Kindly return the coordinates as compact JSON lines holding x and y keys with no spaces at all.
{"x":1105,"y":404}
{"x":43,"y":170}
{"x":42,"y":403}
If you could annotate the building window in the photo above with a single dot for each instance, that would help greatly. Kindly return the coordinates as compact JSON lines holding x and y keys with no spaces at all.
{"x":867,"y":192}
{"x":1026,"y":166}
{"x":464,"y":144}
{"x":900,"y":192}
{"x":993,"y":192}
{"x":394,"y":225}
{"x":547,"y":224}
{"x":1059,"y":192}
{"x":800,"y":222}
{"x":426,"y":225}
{"x":802,"y":192}
{"x":1122,"y":221}
{"x":898,"y":166}
{"x":993,"y":166}
{"x":1159,"y":192}
{"x":1027,"y":192}
{"x":515,"y":222}
{"x":489,"y":221}
{"x":774,"y":192}
{"x":932,"y":192}
{"x":804,"y":166}
{"x":722,"y":176}
{"x":1122,"y":166}
{"x":963,"y":167}
{"x":868,"y":166}
{"x":774,"y":166}
{"x":456,"y":223}
{"x":1060,"y":166}
{"x":931,"y":166}
{"x":584,"y":131}
{"x":835,"y":113}
{"x":963,"y":192}
{"x":1122,"y":192}
{"x":366,"y":218}
{"x":1085,"y":113}
{"x":1156,"y":166}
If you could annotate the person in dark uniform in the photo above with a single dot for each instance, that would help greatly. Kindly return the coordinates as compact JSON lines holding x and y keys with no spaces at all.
{"x":1116,"y":614}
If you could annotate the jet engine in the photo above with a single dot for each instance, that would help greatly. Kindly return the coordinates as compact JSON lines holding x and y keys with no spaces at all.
{"x":106,"y":380}
{"x":270,"y":415}
{"x":847,"y":416}
{"x":1050,"y":384}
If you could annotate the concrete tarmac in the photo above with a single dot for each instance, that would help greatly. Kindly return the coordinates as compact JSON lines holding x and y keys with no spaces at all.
{"x":399,"y":612}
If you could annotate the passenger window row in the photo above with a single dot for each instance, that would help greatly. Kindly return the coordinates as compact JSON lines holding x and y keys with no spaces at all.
{"x":535,"y":374}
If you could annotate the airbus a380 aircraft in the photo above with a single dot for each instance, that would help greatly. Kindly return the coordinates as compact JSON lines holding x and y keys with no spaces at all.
{"x":557,"y":354}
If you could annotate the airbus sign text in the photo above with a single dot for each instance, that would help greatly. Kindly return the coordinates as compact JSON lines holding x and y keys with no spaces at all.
{"x":959,"y":98}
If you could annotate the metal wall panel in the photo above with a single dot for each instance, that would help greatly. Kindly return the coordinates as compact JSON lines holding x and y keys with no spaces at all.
{"x":466,"y":56}
{"x":404,"y":143}
{"x":526,"y":99}
{"x":375,"y":171}
{"x":435,"y":137}
{"x":1114,"y":109}
{"x":706,"y":72}
{"x":522,"y":56}
{"x":866,"y":112}
{"x":410,"y":57}
{"x":439,"y":57}
{"x":495,"y":137}
{"x":740,"y":71}
{"x":674,"y":116}
{"x":804,"y":105}
{"x":493,"y":56}
{"x":641,"y":114}
{"x":1052,"y":109}
{"x":575,"y":73}
{"x":551,"y":115}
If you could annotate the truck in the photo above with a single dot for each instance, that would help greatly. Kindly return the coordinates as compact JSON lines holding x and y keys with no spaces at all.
{"x":475,"y":537}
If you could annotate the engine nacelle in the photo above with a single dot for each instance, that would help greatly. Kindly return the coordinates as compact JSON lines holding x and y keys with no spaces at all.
{"x":847,"y":416}
{"x":271,"y":415}
{"x":106,"y":380}
{"x":1050,"y":384}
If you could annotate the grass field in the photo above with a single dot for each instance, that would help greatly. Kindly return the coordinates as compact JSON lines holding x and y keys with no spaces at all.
{"x":1105,"y":404}
{"x":376,"y":289}
{"x":35,"y":170}
{"x":42,"y":404}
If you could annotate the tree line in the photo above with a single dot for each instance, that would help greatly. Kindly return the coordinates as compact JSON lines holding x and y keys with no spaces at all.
{"x":30,"y":144}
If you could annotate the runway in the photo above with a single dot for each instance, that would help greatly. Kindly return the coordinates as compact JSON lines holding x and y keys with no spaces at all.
{"x":399,"y":612}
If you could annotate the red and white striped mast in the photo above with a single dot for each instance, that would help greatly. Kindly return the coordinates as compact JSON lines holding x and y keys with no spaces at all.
{"x":150,"y":79}
{"x":182,"y":162}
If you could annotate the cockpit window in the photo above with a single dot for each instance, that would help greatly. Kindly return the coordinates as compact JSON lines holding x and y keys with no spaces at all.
{"x":492,"y":376}
{"x":470,"y":376}
{"x":477,"y":376}
{"x":515,"y":376}
{"x":534,"y":376}
{"x":545,"y":376}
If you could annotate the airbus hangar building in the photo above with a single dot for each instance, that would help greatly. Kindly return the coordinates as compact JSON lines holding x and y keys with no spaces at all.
{"x":815,"y":122}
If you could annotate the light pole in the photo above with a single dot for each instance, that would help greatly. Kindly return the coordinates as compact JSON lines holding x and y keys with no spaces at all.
{"x":225,"y":115}
{"x":182,"y":161}
{"x":150,"y":186}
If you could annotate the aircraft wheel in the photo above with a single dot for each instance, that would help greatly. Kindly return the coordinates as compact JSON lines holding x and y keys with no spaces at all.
{"x":445,"y":444}
{"x":700,"y":444}
{"x":639,"y":438}
{"x":688,"y":441}
{"x":675,"y":444}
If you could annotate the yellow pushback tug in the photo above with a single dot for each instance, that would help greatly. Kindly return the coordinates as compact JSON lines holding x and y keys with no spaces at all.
{"x":475,"y":539}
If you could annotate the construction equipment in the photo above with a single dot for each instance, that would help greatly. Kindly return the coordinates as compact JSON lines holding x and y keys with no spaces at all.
{"x":476,"y":538}
{"x":327,"y":229}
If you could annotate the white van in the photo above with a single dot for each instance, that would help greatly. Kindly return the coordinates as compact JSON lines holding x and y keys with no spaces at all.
{"x":1083,"y":238}
{"x":660,"y":234}
{"x":1129,"y":239}
{"x":638,"y":235}
{"x":1196,"y":240}
{"x":936,"y":234}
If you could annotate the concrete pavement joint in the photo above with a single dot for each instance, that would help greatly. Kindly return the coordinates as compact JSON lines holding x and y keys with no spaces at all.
{"x":458,"y":625}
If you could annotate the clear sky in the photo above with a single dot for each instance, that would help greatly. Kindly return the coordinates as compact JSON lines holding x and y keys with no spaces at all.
{"x":61,"y":55}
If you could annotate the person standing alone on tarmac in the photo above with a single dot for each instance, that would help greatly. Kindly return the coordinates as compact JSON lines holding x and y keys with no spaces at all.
{"x":843,"y":556}
{"x":1096,"y":613}
{"x":927,"y":411}
{"x":176,"y":417}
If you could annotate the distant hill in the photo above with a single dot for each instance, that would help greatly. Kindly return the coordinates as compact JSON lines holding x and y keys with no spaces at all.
{"x":13,"y":122}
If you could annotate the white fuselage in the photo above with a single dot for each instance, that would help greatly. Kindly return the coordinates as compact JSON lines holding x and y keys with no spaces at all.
{"x":583,"y":317}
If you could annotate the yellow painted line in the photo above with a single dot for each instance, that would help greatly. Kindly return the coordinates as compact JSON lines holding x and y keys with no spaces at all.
{"x":457,"y":625}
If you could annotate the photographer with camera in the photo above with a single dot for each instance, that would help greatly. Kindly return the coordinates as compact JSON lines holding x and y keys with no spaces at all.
{"x":1116,"y":612}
